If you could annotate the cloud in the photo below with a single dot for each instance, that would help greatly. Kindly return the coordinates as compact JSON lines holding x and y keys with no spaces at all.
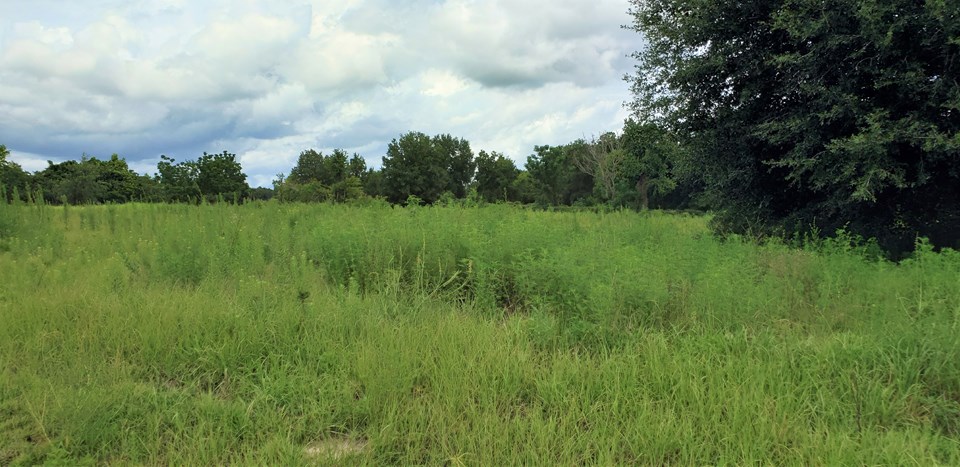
{"x":507,"y":43}
{"x":269,"y":79}
{"x":338,"y":61}
{"x":442,"y":83}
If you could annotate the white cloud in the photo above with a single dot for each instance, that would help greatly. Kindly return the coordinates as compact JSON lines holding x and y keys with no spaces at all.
{"x":442,"y":83}
{"x":29,"y":162}
{"x":269,"y":79}
{"x":336,"y":60}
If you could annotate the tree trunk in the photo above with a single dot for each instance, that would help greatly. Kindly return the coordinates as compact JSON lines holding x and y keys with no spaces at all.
{"x":643,"y":188}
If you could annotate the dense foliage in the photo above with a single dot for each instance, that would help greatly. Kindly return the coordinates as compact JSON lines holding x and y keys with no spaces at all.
{"x":496,"y":177}
{"x":556,"y":176}
{"x":810,"y":114}
{"x":426,"y":167}
{"x":211,"y":177}
{"x":91,"y":180}
{"x":317,"y":177}
{"x":14,"y":181}
{"x":417,"y":168}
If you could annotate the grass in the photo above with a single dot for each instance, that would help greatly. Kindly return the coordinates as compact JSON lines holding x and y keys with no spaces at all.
{"x":324,"y":334}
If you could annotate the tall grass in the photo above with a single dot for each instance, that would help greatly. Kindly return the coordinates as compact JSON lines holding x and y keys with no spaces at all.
{"x":285,"y":334}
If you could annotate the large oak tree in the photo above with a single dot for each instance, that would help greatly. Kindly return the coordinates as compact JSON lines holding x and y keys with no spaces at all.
{"x":823,"y":114}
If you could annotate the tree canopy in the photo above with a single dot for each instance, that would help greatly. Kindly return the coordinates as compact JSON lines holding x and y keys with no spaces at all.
{"x":556,"y":177}
{"x":811,"y":114}
{"x":12,"y":177}
{"x":91,"y":180}
{"x":496,"y":176}
{"x":417,"y":168}
{"x":426,"y":167}
{"x":210,"y":177}
{"x":317,"y":177}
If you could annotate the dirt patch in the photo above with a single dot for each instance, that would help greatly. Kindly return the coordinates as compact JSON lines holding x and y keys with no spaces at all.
{"x":336,"y":448}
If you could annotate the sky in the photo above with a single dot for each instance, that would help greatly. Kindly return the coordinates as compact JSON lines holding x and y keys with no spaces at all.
{"x":267,"y":79}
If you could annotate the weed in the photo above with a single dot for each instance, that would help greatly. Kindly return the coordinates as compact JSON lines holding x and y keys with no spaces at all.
{"x":286,"y":334}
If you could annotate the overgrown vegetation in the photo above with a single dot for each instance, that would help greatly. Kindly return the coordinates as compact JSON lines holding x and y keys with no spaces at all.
{"x":293,"y":333}
{"x":454,"y":331}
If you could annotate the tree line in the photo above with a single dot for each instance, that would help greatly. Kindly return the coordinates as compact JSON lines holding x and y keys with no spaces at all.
{"x":631,"y":168}
{"x":94,"y":181}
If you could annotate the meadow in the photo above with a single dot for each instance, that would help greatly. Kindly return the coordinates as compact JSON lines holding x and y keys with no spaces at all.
{"x":329,"y":334}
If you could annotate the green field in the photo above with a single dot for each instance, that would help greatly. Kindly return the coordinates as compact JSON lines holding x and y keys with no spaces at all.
{"x":288,"y":334}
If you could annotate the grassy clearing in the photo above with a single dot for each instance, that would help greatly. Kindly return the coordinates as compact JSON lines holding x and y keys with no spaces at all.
{"x":167,"y":334}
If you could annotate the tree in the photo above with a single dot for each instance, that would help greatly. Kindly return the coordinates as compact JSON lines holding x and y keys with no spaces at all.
{"x":496,"y":175}
{"x":335,"y":168}
{"x":310,"y":167}
{"x":460,"y":163}
{"x":92,"y":180}
{"x":524,"y":188}
{"x":12,"y":177}
{"x":313,"y":166}
{"x":647,"y":167}
{"x":810,"y":113}
{"x":318,"y":178}
{"x":549,"y":171}
{"x":373,"y":184}
{"x":415,"y":166}
{"x":426,"y":167}
{"x":119,"y":183}
{"x":260,"y":193}
{"x":71,"y":181}
{"x":557,"y":180}
{"x":178,"y":182}
{"x":147,"y":188}
{"x":310,"y":192}
{"x":347,"y":189}
{"x":220,"y":175}
{"x":211,"y":176}
{"x":357,"y":166}
{"x":602,"y":159}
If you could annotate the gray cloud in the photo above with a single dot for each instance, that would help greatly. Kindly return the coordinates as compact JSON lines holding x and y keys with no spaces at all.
{"x":269,"y":79}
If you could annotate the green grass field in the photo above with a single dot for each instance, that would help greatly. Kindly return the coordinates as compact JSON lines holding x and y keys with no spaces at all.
{"x":319,"y":334}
